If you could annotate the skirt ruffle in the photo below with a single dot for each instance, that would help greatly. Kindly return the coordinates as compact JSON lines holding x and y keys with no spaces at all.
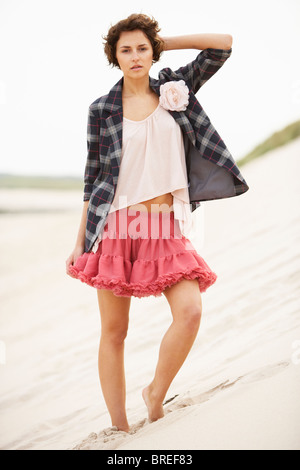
{"x":142,"y":267}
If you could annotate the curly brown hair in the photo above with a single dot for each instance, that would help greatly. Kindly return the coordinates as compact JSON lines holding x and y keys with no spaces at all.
{"x":148,"y":25}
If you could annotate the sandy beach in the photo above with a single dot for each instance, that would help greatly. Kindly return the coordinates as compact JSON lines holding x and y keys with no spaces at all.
{"x":239,"y":387}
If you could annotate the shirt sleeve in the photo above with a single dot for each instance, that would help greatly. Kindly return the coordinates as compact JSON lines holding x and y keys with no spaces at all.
{"x":92,"y":166}
{"x":197,"y":72}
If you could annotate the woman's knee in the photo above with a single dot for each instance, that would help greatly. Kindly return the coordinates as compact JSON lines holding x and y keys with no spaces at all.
{"x":186,"y":303}
{"x":189,"y":316}
{"x":114,"y":313}
{"x":115,"y":334}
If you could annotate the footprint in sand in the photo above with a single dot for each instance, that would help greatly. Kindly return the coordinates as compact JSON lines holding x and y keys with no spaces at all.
{"x":109,"y":438}
{"x":254,"y":376}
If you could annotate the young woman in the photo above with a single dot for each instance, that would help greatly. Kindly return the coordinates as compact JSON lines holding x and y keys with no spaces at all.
{"x":152,"y":150}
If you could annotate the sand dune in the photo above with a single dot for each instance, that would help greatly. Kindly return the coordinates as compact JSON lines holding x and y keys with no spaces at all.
{"x":240,"y":386}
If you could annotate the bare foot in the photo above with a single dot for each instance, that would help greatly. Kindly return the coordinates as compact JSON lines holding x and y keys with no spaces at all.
{"x":155,"y":409}
{"x":124,"y":428}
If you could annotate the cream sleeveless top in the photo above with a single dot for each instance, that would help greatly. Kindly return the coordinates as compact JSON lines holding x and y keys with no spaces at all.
{"x":152,"y":164}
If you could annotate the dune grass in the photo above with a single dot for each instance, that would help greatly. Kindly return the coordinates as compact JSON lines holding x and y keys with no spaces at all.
{"x":40,"y":182}
{"x":282,"y":137}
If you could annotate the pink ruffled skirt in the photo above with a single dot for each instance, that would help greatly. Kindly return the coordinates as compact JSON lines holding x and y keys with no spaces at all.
{"x":140,"y":254}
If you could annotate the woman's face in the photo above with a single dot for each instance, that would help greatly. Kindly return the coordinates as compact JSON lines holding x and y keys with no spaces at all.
{"x":134,"y":54}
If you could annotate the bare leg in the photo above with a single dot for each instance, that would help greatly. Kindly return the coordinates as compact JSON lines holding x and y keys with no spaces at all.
{"x":186,"y":306}
{"x":114,"y":325}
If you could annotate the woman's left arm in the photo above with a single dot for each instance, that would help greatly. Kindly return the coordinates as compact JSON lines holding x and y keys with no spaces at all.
{"x":215,"y":50}
{"x":198,"y":41}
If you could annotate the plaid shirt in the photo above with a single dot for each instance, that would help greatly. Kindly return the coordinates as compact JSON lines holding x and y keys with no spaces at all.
{"x":104,"y":142}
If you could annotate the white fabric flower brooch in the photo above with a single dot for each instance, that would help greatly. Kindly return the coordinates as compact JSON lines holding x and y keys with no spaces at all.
{"x":174,"y":96}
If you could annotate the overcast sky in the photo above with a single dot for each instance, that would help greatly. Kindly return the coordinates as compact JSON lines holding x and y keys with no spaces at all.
{"x":53,"y":66}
